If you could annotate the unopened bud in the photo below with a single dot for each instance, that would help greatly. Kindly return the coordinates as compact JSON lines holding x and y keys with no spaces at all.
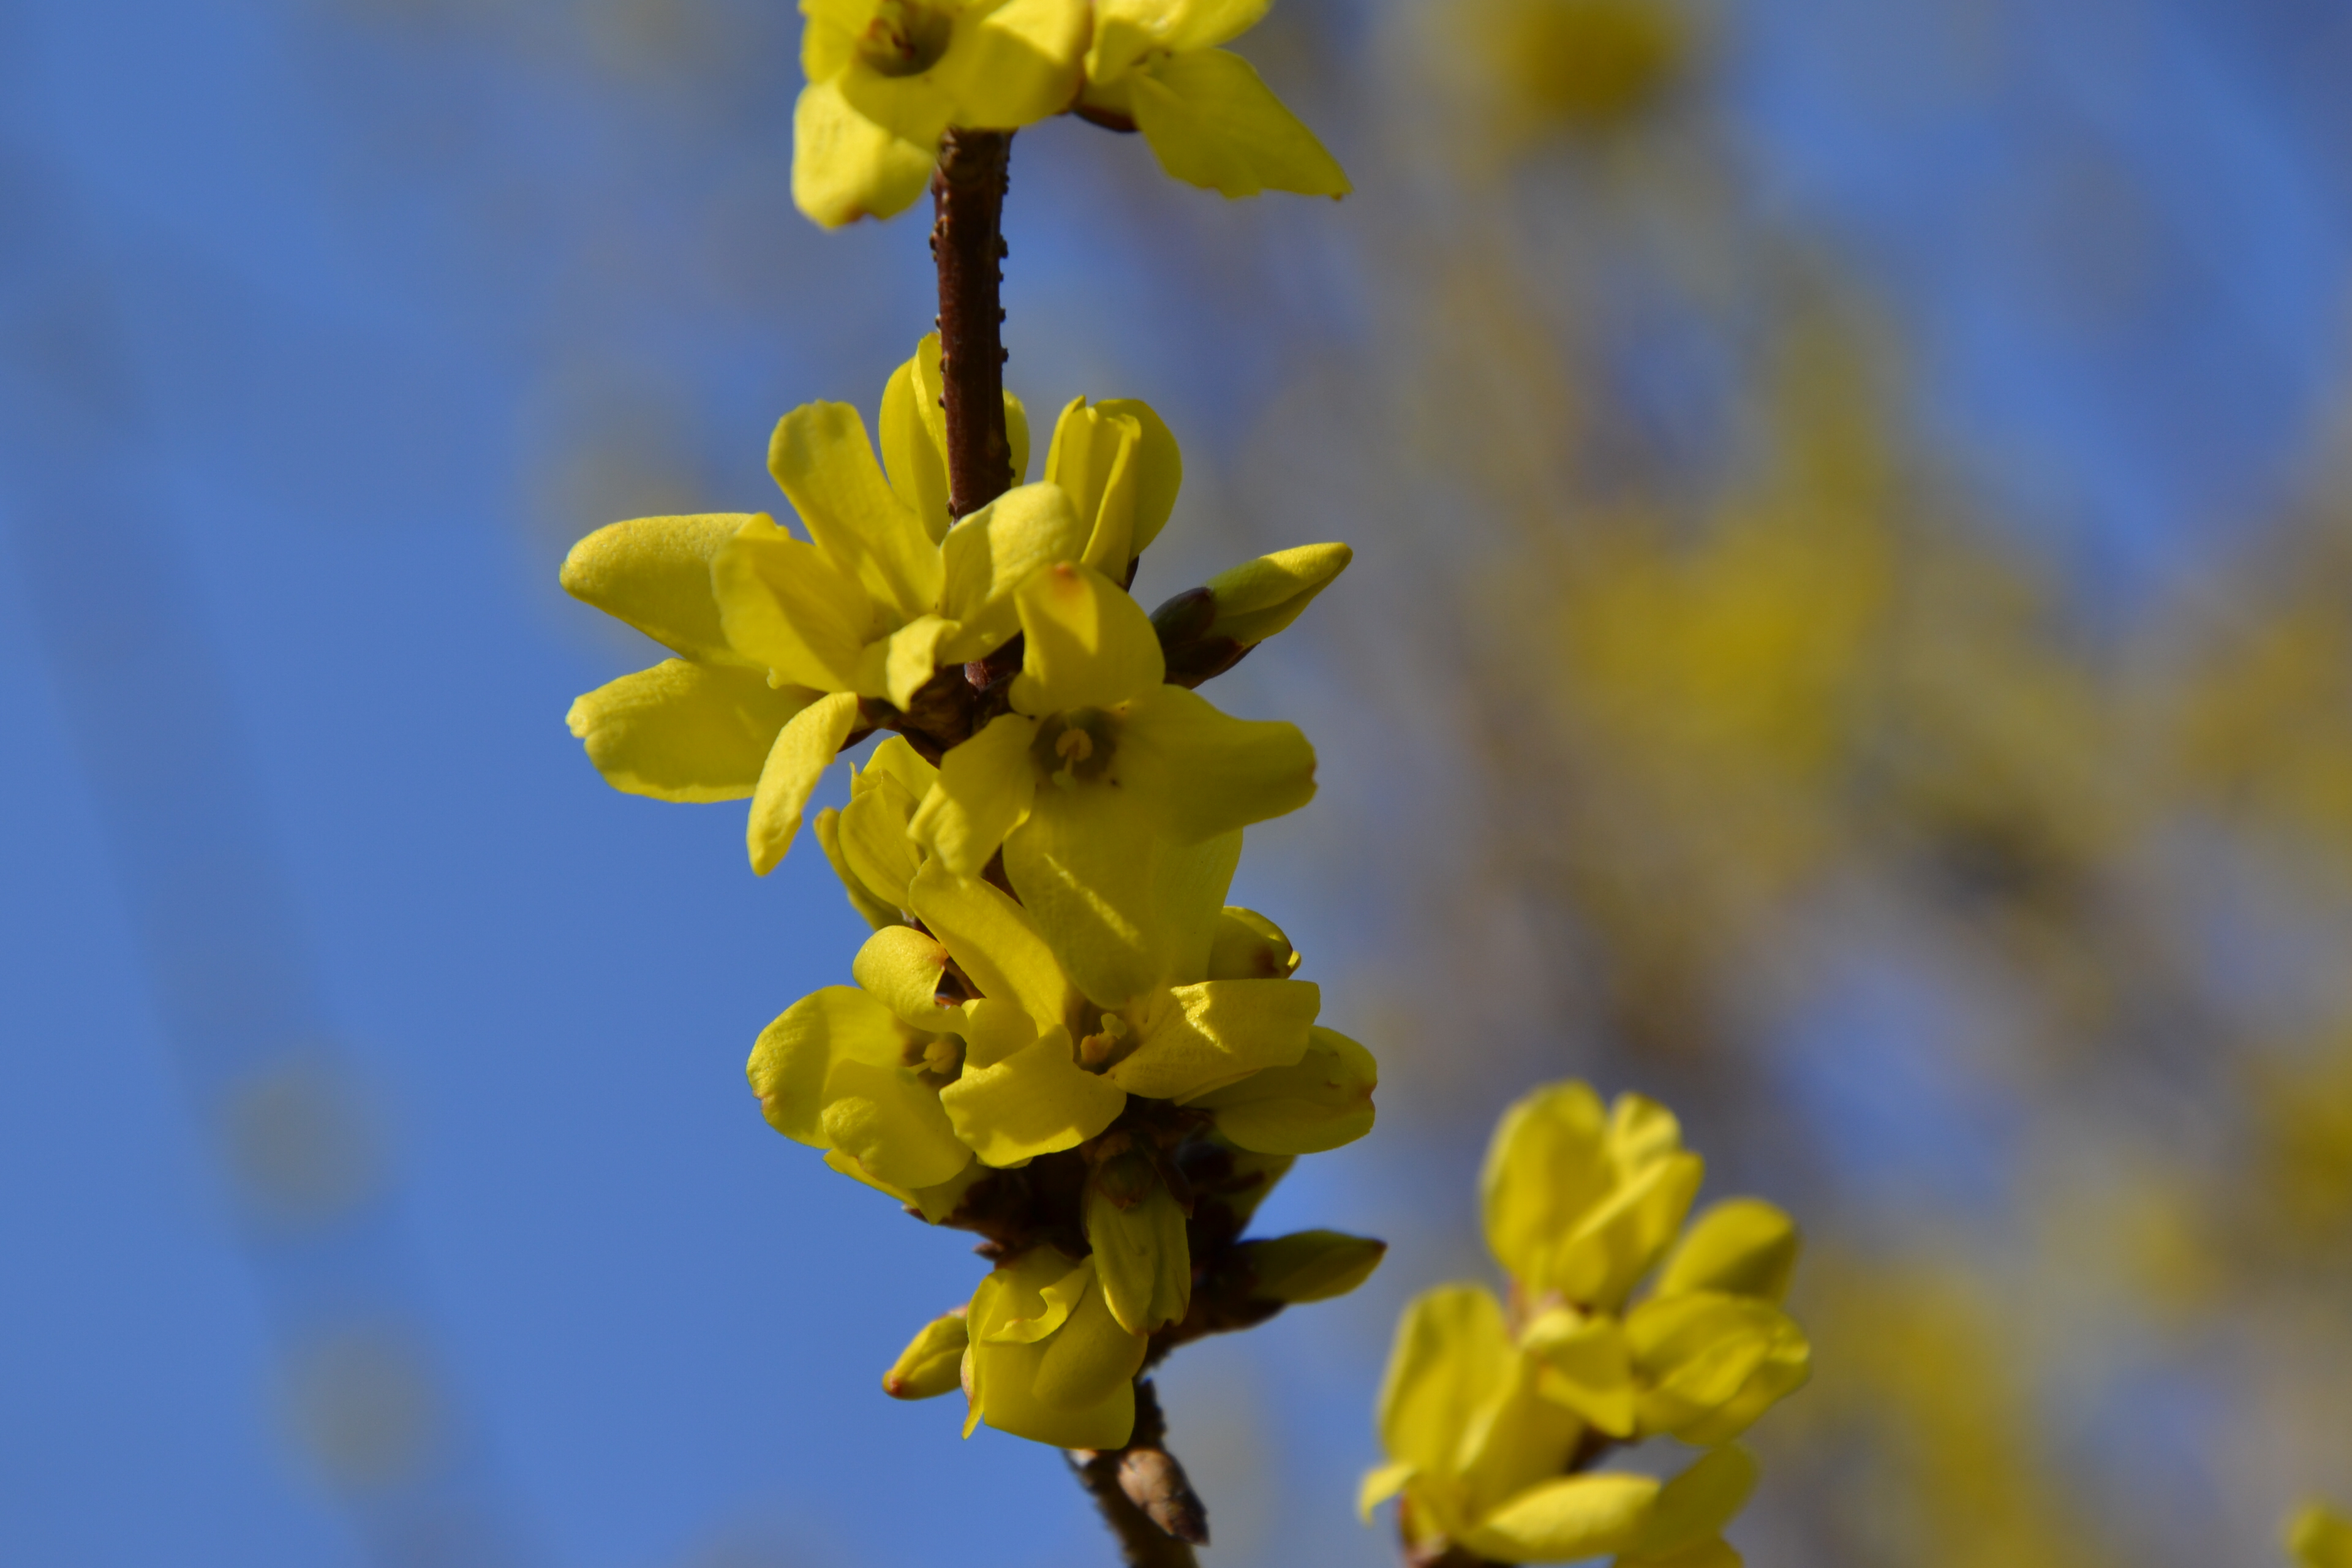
{"x":1248,"y":946}
{"x":1206,"y":631}
{"x":1311,"y":1265}
{"x":932,"y":1363}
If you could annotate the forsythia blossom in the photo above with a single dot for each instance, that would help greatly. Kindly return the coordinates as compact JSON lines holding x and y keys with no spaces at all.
{"x":1058,"y":1034}
{"x":887,"y":79}
{"x":1493,"y":1414}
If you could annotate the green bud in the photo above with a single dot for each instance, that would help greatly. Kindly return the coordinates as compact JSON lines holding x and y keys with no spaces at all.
{"x":932,"y":1363}
{"x":1248,"y":946}
{"x":1311,"y":1265}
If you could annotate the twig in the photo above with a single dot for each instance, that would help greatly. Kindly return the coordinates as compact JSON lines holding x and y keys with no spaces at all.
{"x":967,"y":246}
{"x":1143,"y":1493}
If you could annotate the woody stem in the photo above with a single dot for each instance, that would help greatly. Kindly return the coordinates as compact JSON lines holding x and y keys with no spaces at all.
{"x":967,"y":246}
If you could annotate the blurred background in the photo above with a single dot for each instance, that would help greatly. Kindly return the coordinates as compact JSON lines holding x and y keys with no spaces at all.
{"x":1852,"y":634}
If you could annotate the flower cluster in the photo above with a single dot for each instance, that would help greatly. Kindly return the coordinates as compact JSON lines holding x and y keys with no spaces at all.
{"x":1493,"y":1415}
{"x":1059,"y":1034}
{"x":888,"y":78}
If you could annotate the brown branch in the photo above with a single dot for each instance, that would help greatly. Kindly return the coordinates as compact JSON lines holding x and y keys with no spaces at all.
{"x":1143,"y":1493}
{"x":967,"y":246}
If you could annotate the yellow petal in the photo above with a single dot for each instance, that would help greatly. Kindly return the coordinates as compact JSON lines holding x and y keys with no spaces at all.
{"x":890,"y":1121}
{"x":915,"y":437}
{"x":845,"y":167}
{"x":900,"y":968}
{"x":1200,"y":1037}
{"x":1714,"y":1362}
{"x":1452,"y":1356}
{"x":803,"y":749}
{"x":1200,"y":771}
{"x":990,"y":555}
{"x":1140,"y":1251}
{"x":876,"y":911}
{"x":995,"y":942}
{"x":1213,"y":122}
{"x":1090,"y":1357}
{"x":1380,"y":1485}
{"x":1585,"y":1365}
{"x":1015,"y":62}
{"x":935,"y":1203}
{"x":1260,"y":597}
{"x":1322,"y":1101}
{"x":786,"y":605}
{"x":1093,"y":458}
{"x":1090,"y":645}
{"x":932,"y":1363}
{"x":1614,"y":1244}
{"x":1124,"y":912}
{"x":874,"y":840}
{"x":1037,"y":1102}
{"x":822,"y":459}
{"x":1561,"y":1521}
{"x":1126,"y":29}
{"x":794,"y":1054}
{"x":1695,"y":1506}
{"x":913,"y":657}
{"x":914,"y":108}
{"x":685,"y":732}
{"x":1016,"y":1311}
{"x":895,"y":758}
{"x":1743,"y":1246}
{"x":1122,"y":469}
{"x":1582,"y":1201}
{"x":994,"y":1032}
{"x":655,"y":573}
{"x":985,"y":786}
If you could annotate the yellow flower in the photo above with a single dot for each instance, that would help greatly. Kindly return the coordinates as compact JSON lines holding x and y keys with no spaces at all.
{"x":1478,"y":1454}
{"x":1154,"y":65}
{"x":1048,"y":1361}
{"x":840,"y":1071}
{"x":1112,"y":793}
{"x":1580,"y":1204}
{"x":887,"y":77}
{"x":2319,"y":1537}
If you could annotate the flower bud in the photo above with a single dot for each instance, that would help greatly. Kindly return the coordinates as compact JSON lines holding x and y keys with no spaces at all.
{"x":1248,"y":946}
{"x":1206,"y":631}
{"x":932,"y":1363}
{"x":1311,"y":1265}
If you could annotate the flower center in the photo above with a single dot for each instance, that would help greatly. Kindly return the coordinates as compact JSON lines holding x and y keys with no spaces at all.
{"x":1097,"y":1051}
{"x":1076,"y":746}
{"x":906,"y":38}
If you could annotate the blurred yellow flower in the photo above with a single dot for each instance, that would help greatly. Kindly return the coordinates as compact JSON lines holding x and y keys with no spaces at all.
{"x":2319,"y":1537}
